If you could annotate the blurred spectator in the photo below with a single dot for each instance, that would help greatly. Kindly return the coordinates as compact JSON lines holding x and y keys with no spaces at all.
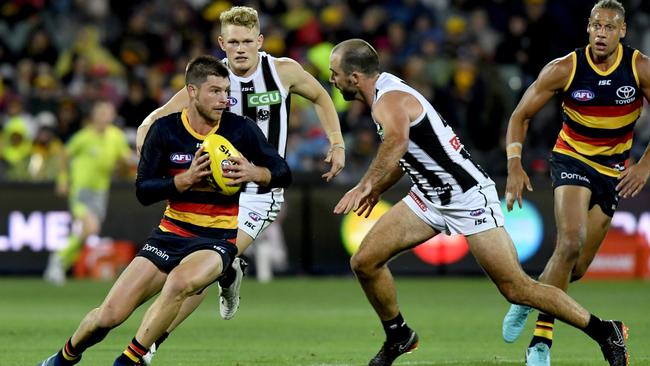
{"x":68,"y":119}
{"x":137,"y":105}
{"x":88,"y":44}
{"x":40,"y":48}
{"x":15,"y":150}
{"x":46,"y":150}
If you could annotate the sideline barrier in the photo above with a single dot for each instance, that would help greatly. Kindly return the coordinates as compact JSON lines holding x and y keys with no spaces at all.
{"x":621,"y":256}
{"x":104,"y":261}
{"x":34,"y":222}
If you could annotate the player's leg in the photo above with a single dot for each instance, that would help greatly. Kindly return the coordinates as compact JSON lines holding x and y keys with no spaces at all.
{"x":189,"y":305}
{"x":397,"y":230}
{"x":229,"y":283}
{"x":196,"y":271}
{"x":88,"y":210}
{"x":571,"y":216}
{"x":597,"y":226}
{"x":137,"y":283}
{"x":90,"y":225}
{"x":572,"y":221}
{"x":256,"y":213}
{"x":494,"y":251}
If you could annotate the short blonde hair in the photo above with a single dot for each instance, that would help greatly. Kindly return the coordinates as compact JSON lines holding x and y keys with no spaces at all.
{"x":243,"y":16}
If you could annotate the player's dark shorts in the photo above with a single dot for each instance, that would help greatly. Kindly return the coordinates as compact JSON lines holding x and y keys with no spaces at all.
{"x":568,"y":171}
{"x":166,"y":250}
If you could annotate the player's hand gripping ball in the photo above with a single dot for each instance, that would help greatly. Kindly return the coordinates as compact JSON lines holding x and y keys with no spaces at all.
{"x":220,"y":149}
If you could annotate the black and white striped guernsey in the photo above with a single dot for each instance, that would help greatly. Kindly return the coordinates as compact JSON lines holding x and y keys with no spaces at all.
{"x":262,"y":97}
{"x":435,"y":160}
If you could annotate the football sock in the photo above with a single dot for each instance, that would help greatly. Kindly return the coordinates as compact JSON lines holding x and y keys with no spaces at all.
{"x":228,"y":277}
{"x":69,"y":352}
{"x":596,"y":329}
{"x":161,"y":339}
{"x":396,"y":329}
{"x":543,"y":330}
{"x":134,"y":352}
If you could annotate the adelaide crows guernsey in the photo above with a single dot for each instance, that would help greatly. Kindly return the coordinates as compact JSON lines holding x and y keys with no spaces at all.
{"x":599,"y":111}
{"x":435,"y":160}
{"x":262,"y":98}
{"x":169,"y":149}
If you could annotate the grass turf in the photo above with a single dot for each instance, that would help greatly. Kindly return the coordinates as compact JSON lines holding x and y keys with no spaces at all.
{"x":319,"y":322}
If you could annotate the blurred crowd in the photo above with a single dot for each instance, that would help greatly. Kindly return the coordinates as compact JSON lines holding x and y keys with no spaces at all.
{"x":472,"y":58}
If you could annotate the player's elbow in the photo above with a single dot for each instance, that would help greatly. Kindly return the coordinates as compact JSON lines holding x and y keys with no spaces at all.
{"x":143,"y":195}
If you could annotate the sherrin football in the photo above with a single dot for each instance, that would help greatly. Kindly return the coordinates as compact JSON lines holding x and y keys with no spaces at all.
{"x":219,"y":149}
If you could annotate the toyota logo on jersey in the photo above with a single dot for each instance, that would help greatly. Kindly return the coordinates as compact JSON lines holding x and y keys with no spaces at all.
{"x":625,"y":92}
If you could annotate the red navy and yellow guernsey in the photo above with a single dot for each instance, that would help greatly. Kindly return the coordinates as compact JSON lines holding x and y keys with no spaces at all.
{"x":599,"y":110}
{"x":200,"y":211}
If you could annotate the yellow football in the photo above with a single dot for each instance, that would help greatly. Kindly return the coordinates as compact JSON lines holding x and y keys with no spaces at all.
{"x":220,"y":149}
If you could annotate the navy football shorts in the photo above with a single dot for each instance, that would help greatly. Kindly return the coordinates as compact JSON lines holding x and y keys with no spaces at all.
{"x":568,"y":171}
{"x":166,"y":250}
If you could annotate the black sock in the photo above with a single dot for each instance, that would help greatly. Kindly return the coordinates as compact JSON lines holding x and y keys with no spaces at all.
{"x":228,"y":277}
{"x":396,"y":328}
{"x":596,"y":329}
{"x":161,"y":339}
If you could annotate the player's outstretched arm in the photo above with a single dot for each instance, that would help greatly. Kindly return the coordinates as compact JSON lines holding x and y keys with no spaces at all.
{"x":368,"y":203}
{"x":393,"y":117}
{"x":634,"y":178}
{"x":300,"y":82}
{"x":179,"y":101}
{"x":554,"y":76}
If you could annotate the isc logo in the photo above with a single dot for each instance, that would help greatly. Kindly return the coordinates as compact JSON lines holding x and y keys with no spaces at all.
{"x":604,"y":82}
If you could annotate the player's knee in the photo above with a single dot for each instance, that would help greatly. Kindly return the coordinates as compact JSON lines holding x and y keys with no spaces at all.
{"x":361,"y":264}
{"x":569,"y":246}
{"x":109,"y":316}
{"x":514,"y":290}
{"x":180,"y":286}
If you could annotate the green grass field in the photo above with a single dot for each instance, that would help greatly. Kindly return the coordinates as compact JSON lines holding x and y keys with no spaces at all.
{"x":318,"y":322}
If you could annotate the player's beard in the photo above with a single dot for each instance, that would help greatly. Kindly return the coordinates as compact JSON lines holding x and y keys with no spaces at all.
{"x":348,"y":95}
{"x":208,"y":114}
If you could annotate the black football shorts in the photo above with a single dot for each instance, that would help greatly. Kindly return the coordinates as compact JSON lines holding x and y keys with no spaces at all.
{"x":568,"y":171}
{"x":166,"y":250}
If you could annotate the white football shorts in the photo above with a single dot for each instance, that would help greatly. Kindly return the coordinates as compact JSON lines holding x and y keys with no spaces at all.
{"x":258,"y":211}
{"x":474,"y":211}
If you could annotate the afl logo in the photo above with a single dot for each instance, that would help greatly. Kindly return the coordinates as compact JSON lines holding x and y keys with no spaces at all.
{"x":583,"y":95}
{"x":625,"y":92}
{"x":231,"y":101}
{"x":477,"y":212}
{"x":254,"y":216}
{"x":181,"y":158}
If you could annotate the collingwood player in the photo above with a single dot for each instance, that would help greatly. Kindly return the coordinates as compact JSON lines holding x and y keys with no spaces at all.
{"x":450,"y":194}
